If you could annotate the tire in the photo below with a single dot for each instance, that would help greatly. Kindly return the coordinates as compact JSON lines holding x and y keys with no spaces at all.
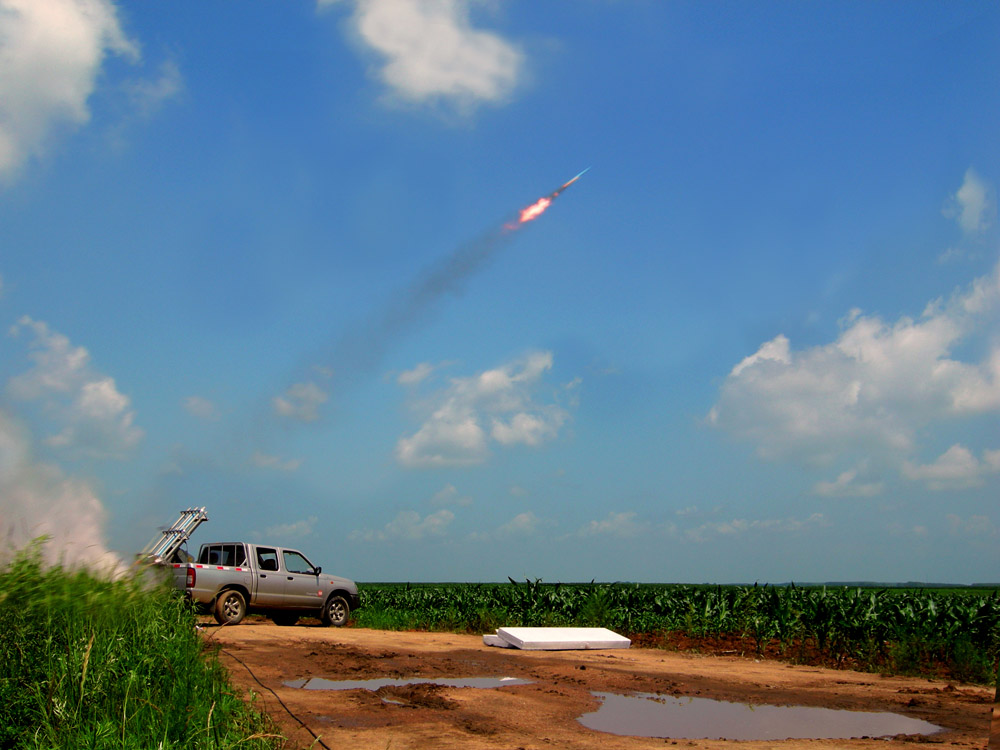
{"x":336,"y":612}
{"x":284,"y":619}
{"x":230,"y":608}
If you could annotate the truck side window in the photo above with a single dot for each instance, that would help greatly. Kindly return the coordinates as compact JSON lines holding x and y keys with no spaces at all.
{"x":239,"y":555}
{"x":267,"y":559}
{"x":211,"y":554}
{"x":296,"y":563}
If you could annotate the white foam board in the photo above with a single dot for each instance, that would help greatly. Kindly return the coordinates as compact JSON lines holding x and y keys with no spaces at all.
{"x":492,"y":639}
{"x":562,"y":639}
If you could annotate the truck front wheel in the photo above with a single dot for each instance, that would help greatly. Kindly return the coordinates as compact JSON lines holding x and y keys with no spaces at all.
{"x":336,"y":611}
{"x":230,"y":608}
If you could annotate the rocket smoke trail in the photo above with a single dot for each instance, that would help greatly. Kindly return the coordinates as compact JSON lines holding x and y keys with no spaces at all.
{"x":362,"y":350}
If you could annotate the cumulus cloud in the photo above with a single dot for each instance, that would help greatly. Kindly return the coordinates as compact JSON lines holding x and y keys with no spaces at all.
{"x":849,"y":483}
{"x":523,"y":524}
{"x":37,"y":499}
{"x":974,"y":205}
{"x":50,"y":55}
{"x":872,"y":390}
{"x":408,"y":524}
{"x":455,"y":433}
{"x":429,"y":51}
{"x":449,"y":495}
{"x":956,"y":468}
{"x":301,"y":401}
{"x":96,"y":418}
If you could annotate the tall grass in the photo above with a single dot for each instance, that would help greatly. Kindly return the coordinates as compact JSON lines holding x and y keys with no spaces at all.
{"x":89,"y":662}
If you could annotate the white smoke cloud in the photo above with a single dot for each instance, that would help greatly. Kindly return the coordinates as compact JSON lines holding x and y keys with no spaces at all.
{"x":454,"y":433}
{"x":430,"y":51}
{"x":95,"y":418}
{"x":872,"y":391}
{"x":50,"y":54}
{"x":37,"y":499}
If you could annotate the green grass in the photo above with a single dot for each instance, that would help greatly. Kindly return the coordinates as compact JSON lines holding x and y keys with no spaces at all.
{"x":89,"y":662}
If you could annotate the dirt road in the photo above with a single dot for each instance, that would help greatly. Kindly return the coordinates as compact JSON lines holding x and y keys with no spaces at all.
{"x":545,"y":713}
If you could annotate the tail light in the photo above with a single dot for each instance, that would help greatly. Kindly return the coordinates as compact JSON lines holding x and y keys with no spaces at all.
{"x":190,"y":578}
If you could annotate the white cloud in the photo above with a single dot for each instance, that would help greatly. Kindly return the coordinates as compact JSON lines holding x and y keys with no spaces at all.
{"x":740,"y":526}
{"x":523,"y":524}
{"x":96,"y":418}
{"x":616,"y":524}
{"x":848,"y":484}
{"x":974,"y":205}
{"x":200,"y":407}
{"x":37,"y":499}
{"x":408,"y":524}
{"x":454,"y":435}
{"x":449,"y":495}
{"x":872,"y":390}
{"x":50,"y":55}
{"x":301,"y":401}
{"x":980,"y":527}
{"x":956,"y":468}
{"x":529,"y":429}
{"x":277,"y":463}
{"x":417,"y":375}
{"x":292,"y":530}
{"x":149,"y":95}
{"x":430,"y":51}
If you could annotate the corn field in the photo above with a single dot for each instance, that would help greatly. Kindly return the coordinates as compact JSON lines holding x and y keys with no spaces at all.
{"x":955,"y":632}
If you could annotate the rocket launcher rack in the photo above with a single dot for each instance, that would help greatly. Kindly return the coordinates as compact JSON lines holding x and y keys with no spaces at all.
{"x":163,"y":547}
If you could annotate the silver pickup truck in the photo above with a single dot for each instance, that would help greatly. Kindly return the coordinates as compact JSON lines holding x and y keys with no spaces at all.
{"x":236,"y":578}
{"x":233,"y":579}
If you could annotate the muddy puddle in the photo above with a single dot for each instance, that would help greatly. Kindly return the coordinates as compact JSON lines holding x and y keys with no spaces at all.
{"x":651,"y":715}
{"x":318,"y":683}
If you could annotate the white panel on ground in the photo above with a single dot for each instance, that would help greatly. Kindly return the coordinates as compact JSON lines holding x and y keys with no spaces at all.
{"x":562,"y":639}
{"x":491,"y":639}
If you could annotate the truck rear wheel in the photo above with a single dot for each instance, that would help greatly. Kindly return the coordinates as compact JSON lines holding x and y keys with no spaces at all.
{"x":230,"y":608}
{"x":337,"y":611}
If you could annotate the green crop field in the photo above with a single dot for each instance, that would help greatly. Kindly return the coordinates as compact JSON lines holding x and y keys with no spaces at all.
{"x":950,"y":631}
{"x":91,"y":663}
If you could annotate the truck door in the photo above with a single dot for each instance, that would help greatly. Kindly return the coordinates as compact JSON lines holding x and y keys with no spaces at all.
{"x":270,"y":581}
{"x":302,"y":587}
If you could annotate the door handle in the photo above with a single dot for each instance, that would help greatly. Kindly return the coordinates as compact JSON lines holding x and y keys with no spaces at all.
{"x":263,"y":575}
{"x":290,"y":578}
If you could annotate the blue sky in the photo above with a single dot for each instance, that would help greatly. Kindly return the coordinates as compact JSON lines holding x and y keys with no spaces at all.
{"x":266,"y":258}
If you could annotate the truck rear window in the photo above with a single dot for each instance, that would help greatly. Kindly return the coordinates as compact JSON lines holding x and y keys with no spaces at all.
{"x":223,"y":554}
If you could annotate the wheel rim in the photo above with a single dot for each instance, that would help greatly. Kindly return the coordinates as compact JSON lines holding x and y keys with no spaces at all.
{"x":337,"y":611}
{"x":232,"y":607}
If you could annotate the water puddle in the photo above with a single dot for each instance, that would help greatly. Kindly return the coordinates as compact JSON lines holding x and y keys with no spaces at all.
{"x":318,"y":683}
{"x":651,"y":715}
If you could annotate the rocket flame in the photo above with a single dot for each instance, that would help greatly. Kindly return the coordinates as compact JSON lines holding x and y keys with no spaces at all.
{"x":537,"y":208}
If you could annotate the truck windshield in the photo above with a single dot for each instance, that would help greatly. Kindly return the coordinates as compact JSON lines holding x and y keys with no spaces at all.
{"x":296,"y":563}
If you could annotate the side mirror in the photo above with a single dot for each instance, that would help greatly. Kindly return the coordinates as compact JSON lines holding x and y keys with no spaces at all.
{"x":319,"y":569}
